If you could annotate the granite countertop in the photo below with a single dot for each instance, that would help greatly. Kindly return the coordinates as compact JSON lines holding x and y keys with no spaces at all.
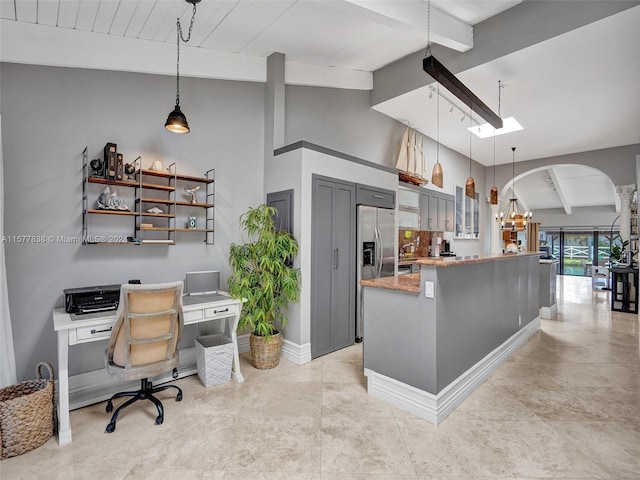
{"x":471,"y":259}
{"x":409,"y":282}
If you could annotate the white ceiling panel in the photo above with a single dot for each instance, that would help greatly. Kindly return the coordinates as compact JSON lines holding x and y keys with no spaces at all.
{"x":87,"y":14}
{"x":474,"y":12}
{"x":243,"y":24}
{"x":208,"y":17}
{"x":27,"y":11}
{"x":104,"y":16}
{"x":139,"y":18}
{"x":122,"y":17}
{"x":48,"y":12}
{"x":162,"y":16}
{"x":68,"y":13}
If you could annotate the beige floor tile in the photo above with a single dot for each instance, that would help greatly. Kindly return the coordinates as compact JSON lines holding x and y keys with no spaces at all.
{"x":495,"y":402}
{"x":452,"y":448}
{"x":614,"y":446}
{"x":535,"y":449}
{"x":352,"y":400}
{"x":374,"y":447}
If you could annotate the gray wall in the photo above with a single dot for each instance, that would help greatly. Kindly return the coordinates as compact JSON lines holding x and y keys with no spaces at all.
{"x":341,"y":120}
{"x":49,"y":115}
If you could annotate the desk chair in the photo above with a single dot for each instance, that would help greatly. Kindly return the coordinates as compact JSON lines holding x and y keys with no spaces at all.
{"x":144,"y":342}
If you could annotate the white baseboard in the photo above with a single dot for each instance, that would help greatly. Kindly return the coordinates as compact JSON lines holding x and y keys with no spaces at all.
{"x":435,"y":408}
{"x":549,"y":312}
{"x":298,"y":354}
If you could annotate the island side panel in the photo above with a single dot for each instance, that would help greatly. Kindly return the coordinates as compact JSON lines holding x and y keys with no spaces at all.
{"x":479,"y":307}
{"x":399,"y":337}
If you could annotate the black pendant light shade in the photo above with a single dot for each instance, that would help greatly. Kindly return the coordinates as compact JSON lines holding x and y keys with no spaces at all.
{"x":177,"y":122}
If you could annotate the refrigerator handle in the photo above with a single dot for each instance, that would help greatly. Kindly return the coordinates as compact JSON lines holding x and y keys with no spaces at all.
{"x":379,"y":254}
{"x":337,"y":257}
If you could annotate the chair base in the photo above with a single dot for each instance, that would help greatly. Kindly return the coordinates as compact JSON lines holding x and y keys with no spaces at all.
{"x":145,"y":393}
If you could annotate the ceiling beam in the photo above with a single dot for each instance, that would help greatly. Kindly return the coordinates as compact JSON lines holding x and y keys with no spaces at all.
{"x":411,"y":17}
{"x":555,"y":181}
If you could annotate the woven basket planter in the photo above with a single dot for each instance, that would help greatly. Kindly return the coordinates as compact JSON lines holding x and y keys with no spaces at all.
{"x":265,"y":352}
{"x":27,"y":414}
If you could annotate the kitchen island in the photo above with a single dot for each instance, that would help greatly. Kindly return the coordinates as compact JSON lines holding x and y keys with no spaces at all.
{"x":432,"y":337}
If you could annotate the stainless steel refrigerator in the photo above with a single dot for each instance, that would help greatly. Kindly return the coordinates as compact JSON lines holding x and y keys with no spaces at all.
{"x":376,"y":253}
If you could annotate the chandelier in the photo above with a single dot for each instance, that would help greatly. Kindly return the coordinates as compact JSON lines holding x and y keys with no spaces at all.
{"x":514,"y":217}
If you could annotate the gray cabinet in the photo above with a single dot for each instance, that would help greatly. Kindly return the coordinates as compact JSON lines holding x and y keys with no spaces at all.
{"x":375,"y":197}
{"x":437,"y":211}
{"x":332,"y":265}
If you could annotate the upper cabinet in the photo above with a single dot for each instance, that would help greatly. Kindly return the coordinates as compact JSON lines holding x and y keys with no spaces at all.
{"x":375,"y":197}
{"x":408,"y":208}
{"x":437,"y":211}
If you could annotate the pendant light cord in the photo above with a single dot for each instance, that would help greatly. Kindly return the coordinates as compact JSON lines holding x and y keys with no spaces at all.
{"x":185,"y":40}
{"x":469,"y":141}
{"x":438,"y":126}
{"x":427,"y":53}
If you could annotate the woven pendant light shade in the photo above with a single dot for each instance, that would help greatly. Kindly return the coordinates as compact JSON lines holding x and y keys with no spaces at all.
{"x":470,"y":188}
{"x":436,"y":177}
{"x":493,"y":195}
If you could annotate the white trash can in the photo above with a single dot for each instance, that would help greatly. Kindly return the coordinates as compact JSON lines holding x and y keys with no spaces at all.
{"x":214,"y":357}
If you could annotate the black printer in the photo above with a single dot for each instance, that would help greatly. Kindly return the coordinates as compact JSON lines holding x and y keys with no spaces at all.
{"x":100,"y":298}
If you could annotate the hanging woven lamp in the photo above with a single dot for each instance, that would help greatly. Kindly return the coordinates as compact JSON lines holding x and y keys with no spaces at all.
{"x":470,"y":186}
{"x":436,"y":177}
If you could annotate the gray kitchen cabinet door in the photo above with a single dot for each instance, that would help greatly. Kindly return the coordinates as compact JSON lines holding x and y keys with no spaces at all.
{"x":283,"y":203}
{"x":442,"y":214}
{"x":451,"y":212}
{"x":332,"y":265}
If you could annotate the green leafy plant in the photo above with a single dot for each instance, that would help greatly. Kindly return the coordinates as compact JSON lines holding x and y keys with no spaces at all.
{"x":618,"y":250}
{"x":262,"y":272}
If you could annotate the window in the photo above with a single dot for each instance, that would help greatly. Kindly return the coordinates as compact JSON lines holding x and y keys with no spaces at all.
{"x":467,"y":215}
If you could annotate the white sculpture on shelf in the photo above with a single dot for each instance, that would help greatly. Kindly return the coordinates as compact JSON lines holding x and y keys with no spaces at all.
{"x":109,"y":200}
{"x":155,"y":210}
{"x":192,"y":192}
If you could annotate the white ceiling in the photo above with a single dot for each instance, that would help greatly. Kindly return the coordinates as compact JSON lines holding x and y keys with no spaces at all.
{"x":576,"y":92}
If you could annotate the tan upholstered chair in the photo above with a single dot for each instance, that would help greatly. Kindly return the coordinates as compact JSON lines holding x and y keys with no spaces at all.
{"x":144,"y":342}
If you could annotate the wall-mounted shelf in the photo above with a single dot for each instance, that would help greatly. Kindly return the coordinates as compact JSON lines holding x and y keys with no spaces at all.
{"x":165,"y":186}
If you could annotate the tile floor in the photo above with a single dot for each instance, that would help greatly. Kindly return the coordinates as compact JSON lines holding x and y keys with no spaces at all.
{"x":566,"y":405}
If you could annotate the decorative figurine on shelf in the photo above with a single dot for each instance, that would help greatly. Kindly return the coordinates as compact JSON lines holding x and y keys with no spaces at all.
{"x":192,"y":191}
{"x":155,"y":210}
{"x":192,"y":223}
{"x":97,"y":167}
{"x":156,"y":165}
{"x":109,"y":200}
{"x":129,"y":169}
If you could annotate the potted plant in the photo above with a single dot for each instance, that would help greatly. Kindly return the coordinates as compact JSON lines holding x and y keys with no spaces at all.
{"x":617,"y":251}
{"x":263,"y":277}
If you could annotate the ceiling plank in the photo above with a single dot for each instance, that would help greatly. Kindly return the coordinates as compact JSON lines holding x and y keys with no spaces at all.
{"x":48,"y":12}
{"x":122,"y":17}
{"x":411,"y":17}
{"x":143,"y":9}
{"x":68,"y":13}
{"x":27,"y":11}
{"x":557,"y":183}
{"x":105,"y":15}
{"x":87,"y":14}
{"x":210,"y":15}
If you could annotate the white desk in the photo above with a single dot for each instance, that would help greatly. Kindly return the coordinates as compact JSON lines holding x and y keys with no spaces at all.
{"x":96,"y":386}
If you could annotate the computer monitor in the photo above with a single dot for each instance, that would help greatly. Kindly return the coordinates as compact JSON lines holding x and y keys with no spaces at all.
{"x":198,"y":283}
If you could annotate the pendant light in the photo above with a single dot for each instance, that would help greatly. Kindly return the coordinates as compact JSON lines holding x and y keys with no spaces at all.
{"x":470,"y":187}
{"x":436,"y":177}
{"x":177,"y":121}
{"x":514,"y":217}
{"x":493,"y":193}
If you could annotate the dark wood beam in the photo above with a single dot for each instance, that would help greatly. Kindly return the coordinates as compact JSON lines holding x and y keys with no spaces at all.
{"x":444,"y":77}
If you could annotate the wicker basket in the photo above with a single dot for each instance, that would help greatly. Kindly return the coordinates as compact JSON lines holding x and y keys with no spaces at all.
{"x":27,"y":414}
{"x":265,"y":352}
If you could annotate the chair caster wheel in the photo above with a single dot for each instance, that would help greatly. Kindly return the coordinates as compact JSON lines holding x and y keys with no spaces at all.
{"x":109,"y":407}
{"x":110,"y":428}
{"x":159,"y":419}
{"x":179,"y":397}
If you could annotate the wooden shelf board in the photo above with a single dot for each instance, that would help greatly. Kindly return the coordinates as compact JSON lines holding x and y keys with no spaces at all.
{"x":162,"y":215}
{"x":194,"y":230}
{"x":188,"y":178}
{"x":120,"y":183}
{"x":110,"y":212}
{"x":189,"y":204}
{"x":112,"y":243}
{"x":156,"y":229}
{"x":157,"y":242}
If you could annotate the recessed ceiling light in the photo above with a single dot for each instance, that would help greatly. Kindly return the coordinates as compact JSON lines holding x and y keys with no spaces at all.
{"x":486,"y":130}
